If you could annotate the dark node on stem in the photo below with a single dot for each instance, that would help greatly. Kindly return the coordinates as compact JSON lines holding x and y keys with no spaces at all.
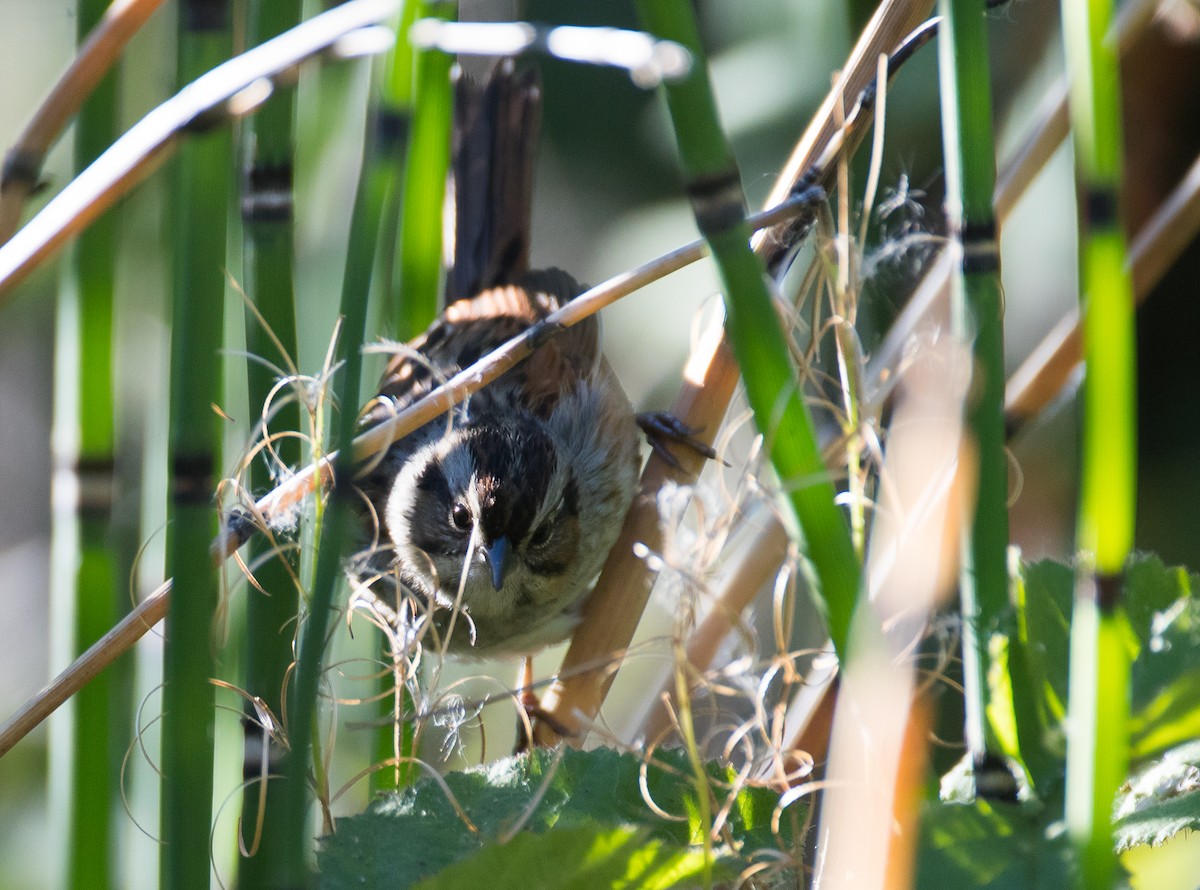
{"x":781,"y":242}
{"x":267,"y":193}
{"x":254,"y":736}
{"x":809,"y":179}
{"x":1013,"y":425}
{"x":95,"y":476}
{"x":920,"y":36}
{"x":533,"y":709}
{"x":21,"y":168}
{"x":192,"y":478}
{"x":981,"y":251}
{"x":808,"y":187}
{"x":789,"y":236}
{"x":997,"y":778}
{"x":205,"y":16}
{"x":717,"y":201}
{"x":1108,"y":591}
{"x":392,"y":126}
{"x":1101,"y":207}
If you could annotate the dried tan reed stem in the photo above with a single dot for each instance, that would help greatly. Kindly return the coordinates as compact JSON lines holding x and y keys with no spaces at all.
{"x":23,"y":163}
{"x":232,"y":89}
{"x":1049,"y":367}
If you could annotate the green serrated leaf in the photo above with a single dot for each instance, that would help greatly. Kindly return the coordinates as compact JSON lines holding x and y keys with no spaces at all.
{"x":1150,"y":589}
{"x":1161,"y":800}
{"x":1049,"y":596}
{"x":994,"y":845}
{"x":416,"y":833}
{"x":1171,"y":717}
{"x":1164,"y":623}
{"x":1165,"y":678}
{"x":1000,"y":713}
{"x":580,"y":858}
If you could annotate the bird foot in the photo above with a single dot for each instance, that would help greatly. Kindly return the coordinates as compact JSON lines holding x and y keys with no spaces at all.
{"x":662,"y":428}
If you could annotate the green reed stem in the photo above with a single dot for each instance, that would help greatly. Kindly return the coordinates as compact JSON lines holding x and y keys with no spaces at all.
{"x":1097,"y":754}
{"x":199,"y":214}
{"x":341,"y":512}
{"x":426,"y":166}
{"x":393,"y":110}
{"x":752,"y":324}
{"x":83,"y":533}
{"x":978,"y":316}
{"x":269,"y":262}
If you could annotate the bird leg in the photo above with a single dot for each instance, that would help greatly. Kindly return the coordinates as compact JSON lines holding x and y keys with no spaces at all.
{"x":531,"y":710}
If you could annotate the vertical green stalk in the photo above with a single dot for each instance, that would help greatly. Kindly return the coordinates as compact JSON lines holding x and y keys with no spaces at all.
{"x":978,"y":316}
{"x":395,"y":112}
{"x":341,"y":512}
{"x":414,"y":113}
{"x":269,"y":254}
{"x":715,"y":189}
{"x":199,"y":212}
{"x":1099,"y":684}
{"x":425,"y":186}
{"x":83,"y":535}
{"x":394,"y":119}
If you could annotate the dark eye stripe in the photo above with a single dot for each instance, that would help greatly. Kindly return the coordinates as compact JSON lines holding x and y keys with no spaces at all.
{"x":433,"y":481}
{"x":427,"y":517}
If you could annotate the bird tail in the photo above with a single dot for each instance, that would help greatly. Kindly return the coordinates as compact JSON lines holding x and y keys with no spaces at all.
{"x":497,"y":122}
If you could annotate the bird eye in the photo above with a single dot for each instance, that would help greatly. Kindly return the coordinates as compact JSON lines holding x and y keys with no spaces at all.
{"x":461,"y":516}
{"x":540,"y":537}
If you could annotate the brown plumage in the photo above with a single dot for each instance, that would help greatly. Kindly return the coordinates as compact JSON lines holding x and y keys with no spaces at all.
{"x":507,"y":509}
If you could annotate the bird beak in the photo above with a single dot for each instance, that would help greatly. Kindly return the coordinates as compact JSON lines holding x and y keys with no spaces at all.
{"x":497,"y":554}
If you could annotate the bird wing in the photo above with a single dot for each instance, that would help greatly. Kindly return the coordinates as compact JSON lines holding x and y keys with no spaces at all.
{"x":471,"y":328}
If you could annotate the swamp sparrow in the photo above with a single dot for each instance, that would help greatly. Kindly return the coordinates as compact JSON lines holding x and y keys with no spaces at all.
{"x":500,"y":516}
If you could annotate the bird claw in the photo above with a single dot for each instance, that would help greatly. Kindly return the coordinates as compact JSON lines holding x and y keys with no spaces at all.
{"x":663,"y":427}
